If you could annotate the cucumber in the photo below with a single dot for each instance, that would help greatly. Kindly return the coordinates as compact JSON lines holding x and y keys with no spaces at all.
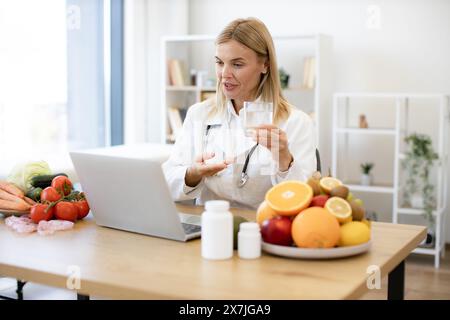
{"x":34,"y":194}
{"x":45,"y":181}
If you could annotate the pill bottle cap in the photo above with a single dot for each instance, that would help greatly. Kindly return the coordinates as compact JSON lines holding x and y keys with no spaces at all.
{"x":217,"y":205}
{"x":249,"y":226}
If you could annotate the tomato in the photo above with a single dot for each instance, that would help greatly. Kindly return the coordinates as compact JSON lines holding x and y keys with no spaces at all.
{"x":39,"y":212}
{"x":83,"y":208}
{"x":50,"y":194}
{"x":62,"y":184}
{"x":66,"y":211}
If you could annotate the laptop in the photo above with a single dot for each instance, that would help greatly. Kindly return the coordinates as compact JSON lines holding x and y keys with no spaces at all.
{"x":132,"y":195}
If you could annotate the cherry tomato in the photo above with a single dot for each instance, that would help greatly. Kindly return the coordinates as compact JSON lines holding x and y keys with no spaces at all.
{"x":39,"y":212}
{"x":66,"y":211}
{"x":50,"y":194}
{"x":62,"y":184}
{"x":83,"y":208}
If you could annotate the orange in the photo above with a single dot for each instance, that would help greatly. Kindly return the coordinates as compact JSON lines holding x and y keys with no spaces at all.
{"x":264,"y":212}
{"x":339,"y":208}
{"x":289,"y":197}
{"x":315,"y":227}
{"x":328,"y":183}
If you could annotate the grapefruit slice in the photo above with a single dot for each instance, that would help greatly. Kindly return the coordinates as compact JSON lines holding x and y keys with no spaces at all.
{"x":328,"y":183}
{"x":288,"y":198}
{"x":339,"y":208}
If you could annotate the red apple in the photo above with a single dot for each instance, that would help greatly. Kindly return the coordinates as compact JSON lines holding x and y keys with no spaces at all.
{"x":319,"y":201}
{"x":277,"y":231}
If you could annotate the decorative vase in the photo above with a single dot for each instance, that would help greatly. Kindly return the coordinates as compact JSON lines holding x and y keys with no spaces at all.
{"x":417,"y":201}
{"x":366,"y":179}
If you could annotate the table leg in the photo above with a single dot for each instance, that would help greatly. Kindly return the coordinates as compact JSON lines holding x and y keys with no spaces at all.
{"x":19,"y":291}
{"x":396,"y":282}
{"x":82,"y":297}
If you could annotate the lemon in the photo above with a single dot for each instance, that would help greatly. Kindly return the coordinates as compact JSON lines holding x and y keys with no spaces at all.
{"x":328,"y":183}
{"x":354,"y":233}
{"x":366,"y":222}
{"x":339,"y":208}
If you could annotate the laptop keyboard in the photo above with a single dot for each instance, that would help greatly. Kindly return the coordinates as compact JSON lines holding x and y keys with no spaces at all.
{"x":191,"y":228}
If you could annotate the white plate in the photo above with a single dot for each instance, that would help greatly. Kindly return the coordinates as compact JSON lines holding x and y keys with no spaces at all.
{"x":303,"y":253}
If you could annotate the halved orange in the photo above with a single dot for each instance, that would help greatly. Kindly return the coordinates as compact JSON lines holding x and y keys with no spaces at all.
{"x":339,"y":208}
{"x":328,"y":183}
{"x":288,"y":198}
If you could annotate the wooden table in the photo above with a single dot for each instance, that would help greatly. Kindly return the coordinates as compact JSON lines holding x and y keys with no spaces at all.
{"x":120,"y":264}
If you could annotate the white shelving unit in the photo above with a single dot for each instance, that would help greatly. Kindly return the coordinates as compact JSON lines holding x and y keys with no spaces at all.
{"x":197,"y":52}
{"x":401,"y":106}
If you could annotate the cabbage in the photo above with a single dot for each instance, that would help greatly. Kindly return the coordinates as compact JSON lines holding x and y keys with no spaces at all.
{"x":22,"y":174}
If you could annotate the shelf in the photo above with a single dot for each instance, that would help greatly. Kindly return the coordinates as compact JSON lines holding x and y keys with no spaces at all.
{"x":430,"y":251}
{"x":189,"y":88}
{"x":373,"y":188}
{"x":413,"y":211}
{"x":389,"y":95}
{"x":301,"y":89}
{"x":401,"y":102}
{"x":366,"y":131}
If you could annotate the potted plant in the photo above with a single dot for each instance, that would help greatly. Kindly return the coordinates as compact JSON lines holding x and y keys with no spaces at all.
{"x":284,"y":78}
{"x":418,"y":192}
{"x":366,"y":177}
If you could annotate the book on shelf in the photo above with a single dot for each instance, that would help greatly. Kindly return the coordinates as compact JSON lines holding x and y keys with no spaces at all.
{"x":309,"y":72}
{"x":175,"y":121}
{"x":205,"y":95}
{"x":177,"y":72}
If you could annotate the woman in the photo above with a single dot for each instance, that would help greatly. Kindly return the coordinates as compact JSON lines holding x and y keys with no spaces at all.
{"x":210,"y":155}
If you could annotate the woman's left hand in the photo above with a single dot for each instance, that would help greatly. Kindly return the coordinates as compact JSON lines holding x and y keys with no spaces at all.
{"x":274,"y":139}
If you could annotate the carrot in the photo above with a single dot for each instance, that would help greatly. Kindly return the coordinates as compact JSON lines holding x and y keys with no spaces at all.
{"x":12,"y":205}
{"x":31,"y":202}
{"x":11,"y":188}
{"x":8,"y":196}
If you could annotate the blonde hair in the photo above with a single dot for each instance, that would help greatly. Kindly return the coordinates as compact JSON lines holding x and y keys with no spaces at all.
{"x":253,"y":34}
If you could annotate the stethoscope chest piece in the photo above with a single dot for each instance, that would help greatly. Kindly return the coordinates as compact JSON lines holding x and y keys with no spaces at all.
{"x":243,"y":180}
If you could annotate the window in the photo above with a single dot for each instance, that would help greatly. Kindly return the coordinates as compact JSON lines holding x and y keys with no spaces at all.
{"x":55,"y":59}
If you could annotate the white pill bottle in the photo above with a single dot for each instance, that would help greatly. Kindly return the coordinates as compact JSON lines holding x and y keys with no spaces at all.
{"x":249,"y":240}
{"x":217,"y":231}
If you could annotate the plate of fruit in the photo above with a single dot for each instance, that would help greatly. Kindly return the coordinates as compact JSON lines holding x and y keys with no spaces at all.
{"x":319,"y":219}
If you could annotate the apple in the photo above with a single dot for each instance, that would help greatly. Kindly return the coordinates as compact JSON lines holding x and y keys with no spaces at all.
{"x":277,"y":231}
{"x":319,"y":201}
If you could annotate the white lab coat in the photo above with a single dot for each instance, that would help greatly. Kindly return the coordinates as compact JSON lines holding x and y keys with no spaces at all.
{"x":226,"y":138}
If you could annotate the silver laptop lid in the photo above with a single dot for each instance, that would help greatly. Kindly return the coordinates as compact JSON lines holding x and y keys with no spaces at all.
{"x":128,"y":194}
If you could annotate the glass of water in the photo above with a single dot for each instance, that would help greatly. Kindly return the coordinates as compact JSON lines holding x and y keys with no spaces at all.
{"x":256,"y":114}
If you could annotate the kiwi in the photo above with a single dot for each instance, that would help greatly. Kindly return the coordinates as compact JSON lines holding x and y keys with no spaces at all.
{"x":358,"y":211}
{"x":340,"y":191}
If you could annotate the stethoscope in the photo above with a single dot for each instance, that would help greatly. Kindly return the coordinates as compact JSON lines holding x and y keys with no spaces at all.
{"x":244,"y":176}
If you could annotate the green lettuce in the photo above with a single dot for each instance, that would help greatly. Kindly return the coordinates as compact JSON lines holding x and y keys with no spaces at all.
{"x":22,"y":174}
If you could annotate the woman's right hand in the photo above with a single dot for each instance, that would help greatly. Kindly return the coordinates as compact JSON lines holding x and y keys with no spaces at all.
{"x":196,"y":172}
